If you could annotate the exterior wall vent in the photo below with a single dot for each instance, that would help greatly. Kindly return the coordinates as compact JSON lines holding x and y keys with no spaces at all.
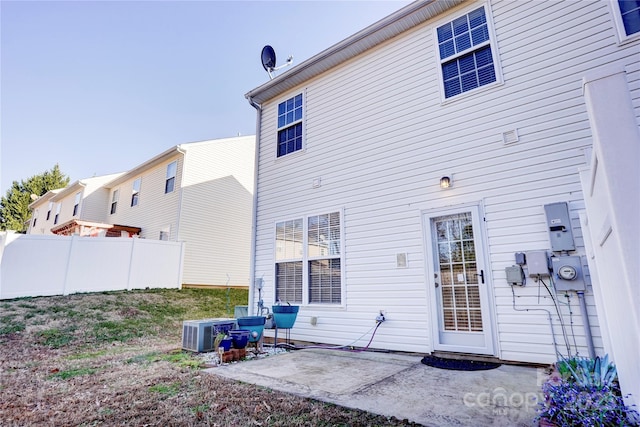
{"x":401,"y":260}
{"x":510,"y":137}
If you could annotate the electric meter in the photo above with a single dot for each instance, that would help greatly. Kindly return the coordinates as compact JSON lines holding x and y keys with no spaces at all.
{"x":567,"y":272}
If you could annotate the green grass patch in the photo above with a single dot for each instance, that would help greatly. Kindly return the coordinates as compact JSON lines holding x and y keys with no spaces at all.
{"x":199,"y":409}
{"x":57,"y":338}
{"x":88,"y":355}
{"x":145,"y":358}
{"x":182,"y":359}
{"x":166,"y":389}
{"x":70,"y":373}
{"x":63,"y":311}
{"x":178,"y":357}
{"x":27,"y":305}
{"x":123,"y":330}
{"x":10,"y":325}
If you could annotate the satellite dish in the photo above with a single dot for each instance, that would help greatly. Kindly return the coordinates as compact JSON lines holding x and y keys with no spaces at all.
{"x":268,"y":58}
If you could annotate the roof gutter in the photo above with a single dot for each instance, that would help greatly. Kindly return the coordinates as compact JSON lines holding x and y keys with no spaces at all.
{"x":254,"y":208}
{"x":402,"y":20}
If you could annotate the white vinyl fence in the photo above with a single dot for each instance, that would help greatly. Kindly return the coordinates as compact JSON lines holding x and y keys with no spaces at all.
{"x":34,"y":265}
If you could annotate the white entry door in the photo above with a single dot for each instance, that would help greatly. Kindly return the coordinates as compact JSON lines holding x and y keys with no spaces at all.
{"x":458,"y":280}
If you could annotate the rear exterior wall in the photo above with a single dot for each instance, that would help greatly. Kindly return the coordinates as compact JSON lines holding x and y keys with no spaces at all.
{"x":379,"y":138}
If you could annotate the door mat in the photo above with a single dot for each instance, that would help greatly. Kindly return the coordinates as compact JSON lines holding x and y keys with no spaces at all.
{"x":458,"y":365}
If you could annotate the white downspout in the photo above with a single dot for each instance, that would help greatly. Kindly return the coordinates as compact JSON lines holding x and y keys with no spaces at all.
{"x":254,"y":209}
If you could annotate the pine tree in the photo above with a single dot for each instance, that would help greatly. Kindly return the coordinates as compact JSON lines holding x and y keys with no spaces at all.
{"x":14,"y":206}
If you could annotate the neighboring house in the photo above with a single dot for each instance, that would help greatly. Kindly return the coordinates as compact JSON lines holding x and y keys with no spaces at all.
{"x":62,"y":211}
{"x":200,"y":193}
{"x":406,"y":168}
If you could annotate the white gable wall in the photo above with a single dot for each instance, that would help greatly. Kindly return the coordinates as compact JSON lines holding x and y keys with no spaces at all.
{"x":155,"y":209}
{"x":215,"y":220}
{"x":378,"y":137}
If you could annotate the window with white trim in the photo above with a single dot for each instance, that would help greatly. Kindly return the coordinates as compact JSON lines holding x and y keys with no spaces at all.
{"x":465,"y":52}
{"x":290,"y":125}
{"x":308,"y":256}
{"x":49,"y":211}
{"x":35,"y":217}
{"x":76,"y":204}
{"x":135,"y":192}
{"x":114,"y":200}
{"x":165,"y":233}
{"x":627,"y":17}
{"x":170,"y":182}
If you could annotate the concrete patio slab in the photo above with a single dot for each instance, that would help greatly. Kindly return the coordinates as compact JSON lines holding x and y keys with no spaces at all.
{"x":399,"y":385}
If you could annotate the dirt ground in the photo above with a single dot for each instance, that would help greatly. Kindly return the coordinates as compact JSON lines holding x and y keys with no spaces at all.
{"x":115,"y":359}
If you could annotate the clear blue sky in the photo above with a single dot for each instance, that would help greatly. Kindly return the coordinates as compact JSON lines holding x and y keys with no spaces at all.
{"x":100,"y":87}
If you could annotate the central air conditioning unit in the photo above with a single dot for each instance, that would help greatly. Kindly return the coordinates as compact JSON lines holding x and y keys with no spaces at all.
{"x":199,"y":335}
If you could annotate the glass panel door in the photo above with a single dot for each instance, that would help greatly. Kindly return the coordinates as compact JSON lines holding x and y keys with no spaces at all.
{"x":459,"y":282}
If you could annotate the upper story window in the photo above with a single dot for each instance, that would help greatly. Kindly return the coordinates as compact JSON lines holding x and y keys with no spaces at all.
{"x":114,"y":200}
{"x":627,"y":17}
{"x":55,"y":218}
{"x":171,"y":177}
{"x":290,"y":125}
{"x":35,"y":217}
{"x":466,"y":57}
{"x":49,"y":211}
{"x":76,"y":204}
{"x":135,"y":192}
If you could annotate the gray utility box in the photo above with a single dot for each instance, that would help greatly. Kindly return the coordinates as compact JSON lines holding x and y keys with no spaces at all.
{"x":559,"y":227}
{"x":568,"y":273}
{"x":199,"y":335}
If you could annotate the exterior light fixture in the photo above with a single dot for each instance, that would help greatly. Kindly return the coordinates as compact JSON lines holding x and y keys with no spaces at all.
{"x":446,"y":182}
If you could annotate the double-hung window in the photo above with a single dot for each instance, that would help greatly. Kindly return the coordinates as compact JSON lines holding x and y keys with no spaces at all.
{"x":35,"y":217}
{"x":49,"y":211}
{"x":76,"y":204}
{"x":170,"y":182}
{"x":627,"y":17}
{"x":309,"y":260}
{"x":114,"y":201}
{"x":135,"y":192}
{"x":466,"y":58}
{"x":290,"y":125}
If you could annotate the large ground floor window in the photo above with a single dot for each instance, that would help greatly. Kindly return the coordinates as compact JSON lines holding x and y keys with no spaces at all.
{"x":308,"y":258}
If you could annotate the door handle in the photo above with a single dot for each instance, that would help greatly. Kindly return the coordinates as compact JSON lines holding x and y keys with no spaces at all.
{"x":481,"y":276}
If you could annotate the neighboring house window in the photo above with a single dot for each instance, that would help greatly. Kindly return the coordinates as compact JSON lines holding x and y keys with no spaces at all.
{"x":76,"y":204}
{"x":171,"y":177}
{"x":55,"y":218}
{"x":135,"y":192}
{"x":114,"y":201}
{"x":290,"y":125}
{"x":49,"y":211}
{"x":627,"y":14}
{"x":165,"y":233}
{"x":466,"y":59}
{"x":308,"y":260}
{"x":35,"y":218}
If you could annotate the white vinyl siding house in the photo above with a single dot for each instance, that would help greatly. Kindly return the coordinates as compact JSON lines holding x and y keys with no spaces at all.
{"x":84,"y":199}
{"x":380,"y":132}
{"x":200,"y":193}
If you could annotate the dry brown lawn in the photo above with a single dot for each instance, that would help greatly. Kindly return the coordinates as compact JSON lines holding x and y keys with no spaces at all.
{"x":115,"y":359}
